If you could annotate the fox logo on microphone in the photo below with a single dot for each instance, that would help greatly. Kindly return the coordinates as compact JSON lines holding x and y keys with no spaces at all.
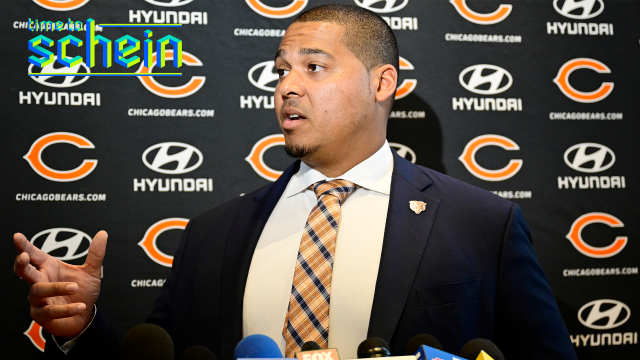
{"x":328,"y":354}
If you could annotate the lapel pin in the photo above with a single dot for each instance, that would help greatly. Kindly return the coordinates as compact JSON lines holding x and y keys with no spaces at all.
{"x":417,"y":206}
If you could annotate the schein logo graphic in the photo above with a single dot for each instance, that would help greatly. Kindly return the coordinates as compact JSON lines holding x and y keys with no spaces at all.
{"x":61,"y":5}
{"x":478,"y":18}
{"x":404,"y":151}
{"x":575,"y":235}
{"x":170,"y":3}
{"x":172,"y":92}
{"x":256,"y":156}
{"x":34,"y":157}
{"x":408,"y":85}
{"x":70,"y":248}
{"x":293,"y":8}
{"x":604,"y":314}
{"x":148,"y":242}
{"x":589,"y":157}
{"x":468,"y":158}
{"x":562,"y":80}
{"x":186,"y":159}
{"x":264,"y":77}
{"x":388,"y":5}
{"x":485,"y":79}
{"x":579,"y":10}
{"x":67,"y":81}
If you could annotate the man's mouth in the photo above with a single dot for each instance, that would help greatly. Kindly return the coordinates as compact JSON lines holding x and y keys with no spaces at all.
{"x":293,"y":115}
{"x":292,"y":118}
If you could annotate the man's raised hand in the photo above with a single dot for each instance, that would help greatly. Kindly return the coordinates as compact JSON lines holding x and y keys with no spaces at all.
{"x":61,"y":295}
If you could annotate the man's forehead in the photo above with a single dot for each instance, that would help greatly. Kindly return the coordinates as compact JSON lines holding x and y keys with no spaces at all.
{"x":305,"y":37}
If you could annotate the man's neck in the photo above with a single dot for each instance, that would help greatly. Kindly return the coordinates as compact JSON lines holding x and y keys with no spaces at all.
{"x":335,"y":165}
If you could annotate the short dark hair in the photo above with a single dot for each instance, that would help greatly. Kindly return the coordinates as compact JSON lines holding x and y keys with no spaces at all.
{"x":366,"y":34}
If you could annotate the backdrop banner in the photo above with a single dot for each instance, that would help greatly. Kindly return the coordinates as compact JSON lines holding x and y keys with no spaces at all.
{"x":536,"y":101}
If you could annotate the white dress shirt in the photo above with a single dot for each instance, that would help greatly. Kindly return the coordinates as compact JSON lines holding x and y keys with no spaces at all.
{"x":356,"y":260}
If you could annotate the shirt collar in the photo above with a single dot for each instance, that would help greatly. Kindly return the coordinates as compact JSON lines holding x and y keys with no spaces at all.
{"x":374,"y":174}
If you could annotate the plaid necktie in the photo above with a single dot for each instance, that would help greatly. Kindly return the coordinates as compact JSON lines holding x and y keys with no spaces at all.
{"x":308,"y":316}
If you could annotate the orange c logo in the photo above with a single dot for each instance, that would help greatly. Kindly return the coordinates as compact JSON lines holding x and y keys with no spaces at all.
{"x":575,"y":235}
{"x":468,"y":158}
{"x":148,"y":243}
{"x":481,"y":19}
{"x":562,"y":80}
{"x":61,"y":5}
{"x":34,"y":157}
{"x":408,"y":85}
{"x":34,"y":333}
{"x":171,"y":92}
{"x":256,"y":160}
{"x":277,"y":12}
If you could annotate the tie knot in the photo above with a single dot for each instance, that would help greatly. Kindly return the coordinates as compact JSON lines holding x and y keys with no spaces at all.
{"x":338,"y":188}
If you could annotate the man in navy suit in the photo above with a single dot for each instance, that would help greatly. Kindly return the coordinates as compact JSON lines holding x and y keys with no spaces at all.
{"x":417,"y":251}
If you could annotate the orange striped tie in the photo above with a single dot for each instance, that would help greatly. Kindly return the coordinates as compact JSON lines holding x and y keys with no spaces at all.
{"x":308,"y":316}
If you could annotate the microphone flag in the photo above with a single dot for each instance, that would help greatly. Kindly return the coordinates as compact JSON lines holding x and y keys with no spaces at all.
{"x":428,"y":353}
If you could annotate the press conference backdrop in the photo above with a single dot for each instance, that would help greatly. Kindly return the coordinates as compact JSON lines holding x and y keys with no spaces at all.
{"x":536,"y":101}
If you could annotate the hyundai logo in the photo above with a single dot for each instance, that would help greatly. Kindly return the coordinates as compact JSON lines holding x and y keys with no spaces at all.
{"x":68,"y":81}
{"x":589,"y":157}
{"x":171,"y":3}
{"x":404,"y":151}
{"x":169,"y":161}
{"x":389,"y":5}
{"x":580,"y":10}
{"x":497,"y":78}
{"x":72,"y":244}
{"x":593,"y":313}
{"x":266,"y":77}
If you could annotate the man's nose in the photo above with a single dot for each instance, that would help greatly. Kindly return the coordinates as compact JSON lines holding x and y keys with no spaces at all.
{"x":291,"y":85}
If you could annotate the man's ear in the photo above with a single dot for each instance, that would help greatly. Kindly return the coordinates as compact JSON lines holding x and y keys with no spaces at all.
{"x":387,"y":79}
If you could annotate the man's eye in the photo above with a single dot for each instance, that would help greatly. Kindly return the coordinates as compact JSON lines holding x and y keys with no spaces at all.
{"x":282,"y":72}
{"x":315,"y":68}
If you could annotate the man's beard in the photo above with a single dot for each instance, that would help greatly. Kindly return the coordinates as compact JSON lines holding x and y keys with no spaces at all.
{"x":300,"y":151}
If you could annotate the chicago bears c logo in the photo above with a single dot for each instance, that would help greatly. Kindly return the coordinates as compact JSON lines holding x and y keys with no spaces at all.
{"x":562,"y":80}
{"x":172,"y":92}
{"x":575,"y":235}
{"x":34,"y":333}
{"x":148,"y":243}
{"x":468,"y":158}
{"x":61,"y":5}
{"x":256,"y":159}
{"x":481,"y":19}
{"x":34,"y":157}
{"x":408,"y":85}
{"x":277,"y":12}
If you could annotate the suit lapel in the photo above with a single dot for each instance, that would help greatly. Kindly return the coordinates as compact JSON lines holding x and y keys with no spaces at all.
{"x":241,"y":243}
{"x":405,"y":239}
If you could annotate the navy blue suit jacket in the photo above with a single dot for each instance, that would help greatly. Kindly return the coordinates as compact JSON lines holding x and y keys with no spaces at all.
{"x":463,"y":269}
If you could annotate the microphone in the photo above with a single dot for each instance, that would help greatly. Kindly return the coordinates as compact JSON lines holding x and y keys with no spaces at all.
{"x":422,"y":339}
{"x":310,"y":346}
{"x":147,"y":341}
{"x":474,"y":349}
{"x":257,"y":346}
{"x":373,"y":348}
{"x":197,"y":353}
